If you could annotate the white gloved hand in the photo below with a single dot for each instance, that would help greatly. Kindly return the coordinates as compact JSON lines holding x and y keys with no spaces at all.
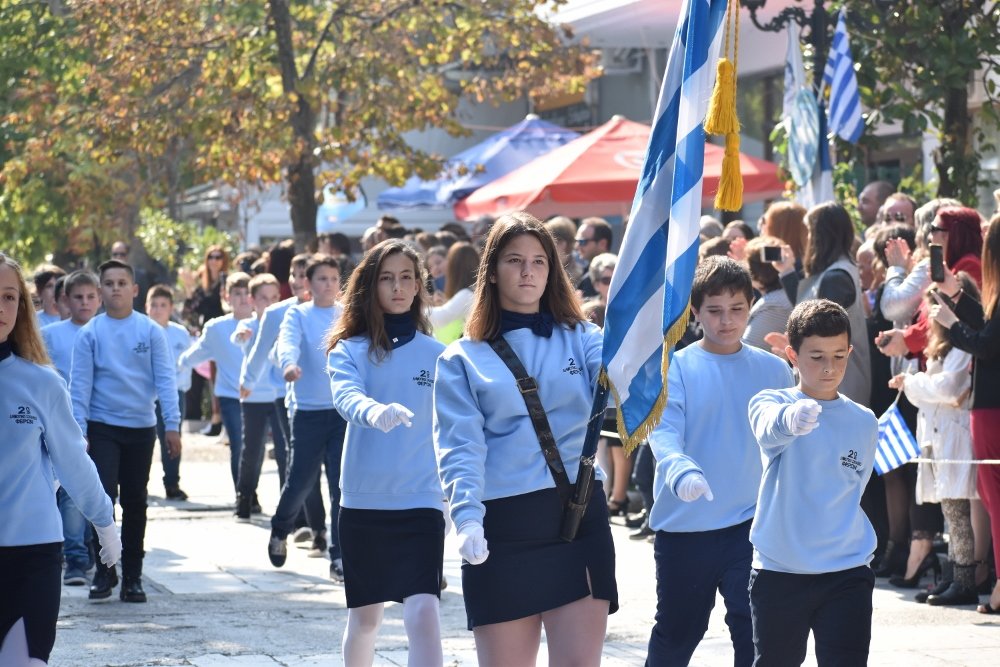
{"x":693,"y":486}
{"x":387,"y":417}
{"x":802,"y":416}
{"x":472,"y":542}
{"x":111,"y":544}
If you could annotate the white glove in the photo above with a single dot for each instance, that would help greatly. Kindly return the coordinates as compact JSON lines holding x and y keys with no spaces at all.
{"x":111,"y":544}
{"x":693,"y":486}
{"x":802,"y":416}
{"x":472,"y":542}
{"x":387,"y":417}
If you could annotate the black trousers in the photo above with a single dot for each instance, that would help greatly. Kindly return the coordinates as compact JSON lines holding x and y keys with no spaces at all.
{"x":256,"y":417}
{"x":32,"y":582}
{"x":123,"y":456}
{"x":836,"y":606}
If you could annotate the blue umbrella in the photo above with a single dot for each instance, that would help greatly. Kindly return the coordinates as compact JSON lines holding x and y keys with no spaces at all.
{"x":474,"y":167}
{"x":337,"y":208}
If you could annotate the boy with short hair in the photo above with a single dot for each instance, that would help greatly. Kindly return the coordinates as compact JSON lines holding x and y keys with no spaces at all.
{"x":83,"y":299}
{"x":261,"y":406}
{"x":159,"y":308}
{"x":214,"y":345}
{"x":121,"y":366}
{"x":708,"y":470}
{"x":812,"y":542}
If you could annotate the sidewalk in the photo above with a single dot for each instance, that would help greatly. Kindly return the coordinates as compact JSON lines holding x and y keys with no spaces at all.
{"x":215,"y":600}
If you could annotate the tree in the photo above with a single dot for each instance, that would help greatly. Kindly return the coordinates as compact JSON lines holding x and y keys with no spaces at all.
{"x":262,"y":91}
{"x":917,"y":65}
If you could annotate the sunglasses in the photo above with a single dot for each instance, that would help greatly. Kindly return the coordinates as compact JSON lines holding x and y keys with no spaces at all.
{"x":604,"y":280}
{"x":935,"y":228}
{"x":216,"y":257}
{"x":584,"y":241}
{"x":116,"y":255}
{"x":898,"y":216}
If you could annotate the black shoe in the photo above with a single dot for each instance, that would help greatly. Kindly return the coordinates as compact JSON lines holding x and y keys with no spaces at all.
{"x":893,"y":561}
{"x":922,"y":596}
{"x":132,"y":590}
{"x":175,"y":493}
{"x":337,"y":570}
{"x":105,"y":580}
{"x":642,"y":532}
{"x":319,"y":546}
{"x":930,"y":562}
{"x":212,"y":429}
{"x":243,"y":509}
{"x":955,"y":595}
{"x":617,"y":507}
{"x":277,"y":550}
{"x":636,"y":520}
{"x":255,"y":505}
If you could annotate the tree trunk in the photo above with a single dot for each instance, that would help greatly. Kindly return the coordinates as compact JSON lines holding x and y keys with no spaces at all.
{"x":300,"y":174}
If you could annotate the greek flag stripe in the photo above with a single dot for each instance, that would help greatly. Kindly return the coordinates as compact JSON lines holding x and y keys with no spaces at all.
{"x":896,"y":444}
{"x":845,"y":101}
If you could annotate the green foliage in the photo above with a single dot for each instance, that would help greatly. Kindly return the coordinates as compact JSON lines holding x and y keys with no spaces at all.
{"x":179,"y":244}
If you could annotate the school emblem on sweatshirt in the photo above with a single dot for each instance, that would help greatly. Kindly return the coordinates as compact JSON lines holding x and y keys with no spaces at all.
{"x":424,"y":379}
{"x":573,"y":369}
{"x":140,"y":348}
{"x":851,"y":461}
{"x":23,"y":415}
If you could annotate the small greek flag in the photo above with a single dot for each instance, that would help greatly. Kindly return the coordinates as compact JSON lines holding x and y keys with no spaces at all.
{"x":648,"y":300}
{"x":896,"y":445}
{"x":845,"y":102}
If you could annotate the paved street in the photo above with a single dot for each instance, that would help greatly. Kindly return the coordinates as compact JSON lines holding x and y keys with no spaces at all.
{"x":215,"y":600}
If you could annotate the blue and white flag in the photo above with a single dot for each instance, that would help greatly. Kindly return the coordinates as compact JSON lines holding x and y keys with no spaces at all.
{"x":648,"y":300}
{"x":845,"y":102}
{"x":896,"y":444}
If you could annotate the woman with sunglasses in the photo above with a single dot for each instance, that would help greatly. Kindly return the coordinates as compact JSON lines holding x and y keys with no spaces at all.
{"x":204,"y":303}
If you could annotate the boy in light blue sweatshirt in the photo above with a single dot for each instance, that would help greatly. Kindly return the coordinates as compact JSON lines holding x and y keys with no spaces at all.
{"x":215,"y":345}
{"x":159,"y":307}
{"x":83,"y":299}
{"x":121,"y":366}
{"x":812,"y":542}
{"x":708,"y":470}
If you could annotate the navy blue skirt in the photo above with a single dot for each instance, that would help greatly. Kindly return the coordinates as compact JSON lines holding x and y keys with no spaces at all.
{"x":530,"y":570}
{"x":390,"y":555}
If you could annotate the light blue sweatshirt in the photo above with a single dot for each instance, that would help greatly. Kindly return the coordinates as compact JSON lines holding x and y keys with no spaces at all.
{"x":44,"y":319}
{"x":179,"y":340}
{"x":705,"y":429}
{"x":487,"y":447}
{"x":59,"y":339}
{"x":809,"y":518}
{"x":272,"y":386}
{"x":35,"y":404}
{"x":214,"y":345}
{"x":260,"y":354}
{"x":120,"y":368}
{"x":300,"y":342}
{"x":395,"y":470}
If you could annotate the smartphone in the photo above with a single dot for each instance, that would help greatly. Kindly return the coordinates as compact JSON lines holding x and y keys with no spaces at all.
{"x":937,"y":263}
{"x":770,"y":253}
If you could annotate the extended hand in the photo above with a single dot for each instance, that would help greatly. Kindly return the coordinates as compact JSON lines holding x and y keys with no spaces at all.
{"x":941,"y":313}
{"x":472,"y":543}
{"x":802,"y":416}
{"x":692,"y":487}
{"x":891,"y":343}
{"x":387,"y":417}
{"x":111,"y":544}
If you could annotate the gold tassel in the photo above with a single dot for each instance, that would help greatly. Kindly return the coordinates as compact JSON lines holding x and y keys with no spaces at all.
{"x":721,"y":117}
{"x":730,"y":194}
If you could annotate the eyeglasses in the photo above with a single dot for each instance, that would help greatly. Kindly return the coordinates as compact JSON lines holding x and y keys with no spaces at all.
{"x":213,"y":256}
{"x":584,"y":241}
{"x":935,"y":228}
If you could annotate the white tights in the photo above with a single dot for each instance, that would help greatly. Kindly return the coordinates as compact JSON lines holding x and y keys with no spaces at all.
{"x":423,"y":631}
{"x":14,"y":650}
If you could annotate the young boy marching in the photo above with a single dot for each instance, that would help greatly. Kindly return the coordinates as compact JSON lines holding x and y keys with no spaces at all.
{"x":159,"y":307}
{"x":708,"y":470}
{"x":812,"y":542}
{"x":121,"y":366}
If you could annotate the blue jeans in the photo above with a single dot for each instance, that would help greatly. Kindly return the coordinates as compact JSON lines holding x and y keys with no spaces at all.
{"x":317,"y":439}
{"x":76,"y":535}
{"x":171,"y":467}
{"x":836,"y":606}
{"x":232,"y":420}
{"x":256,"y":417}
{"x":690,"y":568}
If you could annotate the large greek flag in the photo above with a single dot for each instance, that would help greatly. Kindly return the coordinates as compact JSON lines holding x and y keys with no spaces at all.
{"x":845,"y":102}
{"x":648,"y":301}
{"x":896,"y":444}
